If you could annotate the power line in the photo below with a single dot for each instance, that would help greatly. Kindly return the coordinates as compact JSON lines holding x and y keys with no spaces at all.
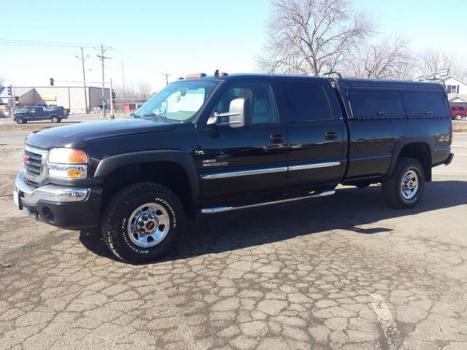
{"x":37,"y":43}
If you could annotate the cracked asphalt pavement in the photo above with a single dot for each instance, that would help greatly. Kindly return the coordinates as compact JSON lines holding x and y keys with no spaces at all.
{"x":343,"y":272}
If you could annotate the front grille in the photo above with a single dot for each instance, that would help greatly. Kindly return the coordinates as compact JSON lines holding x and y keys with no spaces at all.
{"x":33,"y":164}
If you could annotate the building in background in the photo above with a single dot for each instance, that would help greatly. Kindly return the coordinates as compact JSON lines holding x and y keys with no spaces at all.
{"x":455,"y":88}
{"x":70,"y":97}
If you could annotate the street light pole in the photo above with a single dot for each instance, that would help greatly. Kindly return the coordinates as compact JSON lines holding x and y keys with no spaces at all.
{"x":102,"y":57}
{"x":111,"y":101}
{"x":123,"y":84}
{"x":84,"y":80}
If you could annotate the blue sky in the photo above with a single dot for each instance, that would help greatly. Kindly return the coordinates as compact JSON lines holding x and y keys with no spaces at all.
{"x":153,"y":37}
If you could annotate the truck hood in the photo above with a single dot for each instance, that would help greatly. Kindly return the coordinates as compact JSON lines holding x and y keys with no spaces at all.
{"x":77,"y":135}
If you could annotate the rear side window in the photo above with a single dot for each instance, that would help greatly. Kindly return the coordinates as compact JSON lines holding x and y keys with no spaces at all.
{"x":306,"y":101}
{"x":420,"y":104}
{"x":376,"y":104}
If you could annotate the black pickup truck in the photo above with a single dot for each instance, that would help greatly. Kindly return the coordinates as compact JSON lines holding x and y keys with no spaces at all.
{"x":220,"y":143}
{"x":54,"y":113}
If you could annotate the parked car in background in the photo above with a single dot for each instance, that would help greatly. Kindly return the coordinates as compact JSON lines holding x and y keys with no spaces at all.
{"x":458,"y":112}
{"x":55,"y":114}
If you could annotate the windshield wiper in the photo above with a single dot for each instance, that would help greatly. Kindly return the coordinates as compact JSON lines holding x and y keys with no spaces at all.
{"x":157,"y":116}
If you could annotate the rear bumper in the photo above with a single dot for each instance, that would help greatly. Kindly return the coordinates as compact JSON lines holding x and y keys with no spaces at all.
{"x":66,"y":207}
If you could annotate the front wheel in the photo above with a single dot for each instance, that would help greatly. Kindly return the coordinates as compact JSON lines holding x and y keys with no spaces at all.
{"x":405,"y":187}
{"x":55,"y":119}
{"x":20,"y":120}
{"x":142,"y":222}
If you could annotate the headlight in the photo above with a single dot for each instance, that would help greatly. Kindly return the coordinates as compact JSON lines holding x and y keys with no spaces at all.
{"x":67,"y":163}
{"x":67,"y":156}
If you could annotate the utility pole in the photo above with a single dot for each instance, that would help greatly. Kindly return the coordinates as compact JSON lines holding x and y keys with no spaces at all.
{"x":166,"y":75}
{"x":13,"y":100}
{"x":102,"y":57}
{"x":82,"y":59}
{"x":123,"y":83}
{"x":112,"y":116}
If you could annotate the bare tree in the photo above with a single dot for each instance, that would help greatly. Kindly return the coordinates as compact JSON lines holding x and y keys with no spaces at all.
{"x":138,"y":92}
{"x":142,"y":90}
{"x":432,"y":61}
{"x":311,"y":36}
{"x":384,"y":59}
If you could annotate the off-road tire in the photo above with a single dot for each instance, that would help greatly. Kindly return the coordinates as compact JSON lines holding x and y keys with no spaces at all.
{"x":392,"y":191}
{"x":116,"y":215}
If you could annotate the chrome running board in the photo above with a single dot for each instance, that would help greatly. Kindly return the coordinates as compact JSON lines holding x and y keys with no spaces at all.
{"x":312,"y":194}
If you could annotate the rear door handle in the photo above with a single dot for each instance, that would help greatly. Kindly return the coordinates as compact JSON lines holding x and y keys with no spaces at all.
{"x":277,"y":138}
{"x":330,"y":135}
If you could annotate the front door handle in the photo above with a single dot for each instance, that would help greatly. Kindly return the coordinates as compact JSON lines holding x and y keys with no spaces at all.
{"x":330,"y":135}
{"x":277,"y":138}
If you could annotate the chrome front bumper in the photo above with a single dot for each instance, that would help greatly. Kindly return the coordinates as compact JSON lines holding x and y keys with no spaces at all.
{"x":48,"y":193}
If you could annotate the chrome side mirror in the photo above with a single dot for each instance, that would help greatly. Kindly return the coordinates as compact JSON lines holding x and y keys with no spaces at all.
{"x":235,"y":117}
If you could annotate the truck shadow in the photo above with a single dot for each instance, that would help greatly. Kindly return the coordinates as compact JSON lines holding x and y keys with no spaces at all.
{"x":350,"y":210}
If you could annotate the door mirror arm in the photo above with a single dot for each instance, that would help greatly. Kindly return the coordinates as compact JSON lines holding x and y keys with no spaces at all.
{"x":235,"y":117}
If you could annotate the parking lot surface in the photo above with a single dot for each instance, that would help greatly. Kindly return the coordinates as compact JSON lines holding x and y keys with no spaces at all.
{"x":344,"y":272}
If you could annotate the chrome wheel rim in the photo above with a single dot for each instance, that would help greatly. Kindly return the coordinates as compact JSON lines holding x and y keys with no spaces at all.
{"x":409,"y":184}
{"x":148,"y":225}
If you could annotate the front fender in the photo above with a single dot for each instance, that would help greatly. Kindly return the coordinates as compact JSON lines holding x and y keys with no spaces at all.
{"x":107,"y":165}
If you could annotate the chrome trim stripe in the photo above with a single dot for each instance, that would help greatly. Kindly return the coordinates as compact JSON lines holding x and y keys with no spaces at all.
{"x":313,"y":166}
{"x":244,"y":173}
{"x":312,"y":194}
{"x":270,"y":170}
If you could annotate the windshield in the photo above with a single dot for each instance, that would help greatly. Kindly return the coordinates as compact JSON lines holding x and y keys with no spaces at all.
{"x":178,"y":102}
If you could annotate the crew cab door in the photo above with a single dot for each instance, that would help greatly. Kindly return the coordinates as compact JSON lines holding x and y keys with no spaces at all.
{"x":248,"y":159}
{"x":31,"y":114}
{"x":316,"y":131}
{"x":36,"y":112}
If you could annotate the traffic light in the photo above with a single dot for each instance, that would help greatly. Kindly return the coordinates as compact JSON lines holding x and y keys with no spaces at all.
{"x":114,"y":95}
{"x":9,"y":90}
{"x":51,"y":81}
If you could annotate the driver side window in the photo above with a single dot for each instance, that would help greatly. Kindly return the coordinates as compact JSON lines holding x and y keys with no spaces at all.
{"x":260,"y":106}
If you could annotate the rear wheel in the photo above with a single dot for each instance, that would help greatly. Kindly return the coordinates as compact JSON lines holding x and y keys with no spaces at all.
{"x":405,"y":186}
{"x":142,"y":222}
{"x":55,"y":119}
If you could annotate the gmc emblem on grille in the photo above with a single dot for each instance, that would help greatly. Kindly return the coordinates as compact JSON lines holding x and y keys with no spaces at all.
{"x":26,"y":159}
